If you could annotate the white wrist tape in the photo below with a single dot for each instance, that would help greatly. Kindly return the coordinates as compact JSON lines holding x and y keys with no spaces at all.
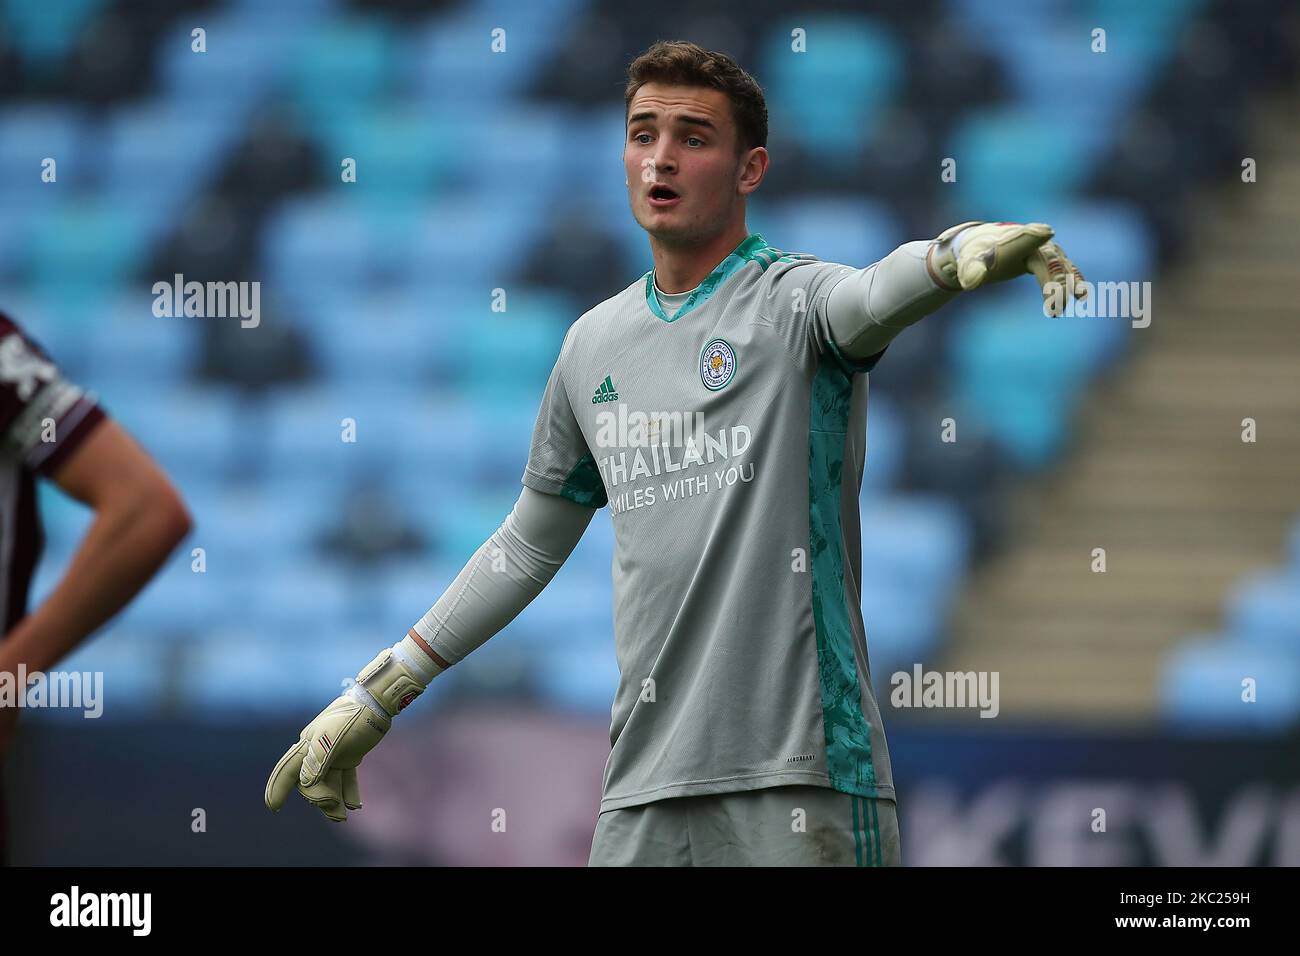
{"x":413,"y":656}
{"x":396,"y":676}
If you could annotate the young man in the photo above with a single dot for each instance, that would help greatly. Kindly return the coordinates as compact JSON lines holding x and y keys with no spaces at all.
{"x":718,"y":405}
{"x":51,"y":429}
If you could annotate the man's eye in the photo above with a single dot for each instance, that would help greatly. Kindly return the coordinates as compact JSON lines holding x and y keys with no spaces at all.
{"x":696,"y":138}
{"x":638,"y":136}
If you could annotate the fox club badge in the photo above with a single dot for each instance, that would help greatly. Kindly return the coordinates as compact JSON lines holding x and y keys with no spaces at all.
{"x":717,"y":364}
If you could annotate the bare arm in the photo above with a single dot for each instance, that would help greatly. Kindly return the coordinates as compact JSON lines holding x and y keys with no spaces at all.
{"x":139,"y":519}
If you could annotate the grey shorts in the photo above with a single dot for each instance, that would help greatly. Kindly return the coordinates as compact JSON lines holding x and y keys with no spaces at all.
{"x":774,"y":826}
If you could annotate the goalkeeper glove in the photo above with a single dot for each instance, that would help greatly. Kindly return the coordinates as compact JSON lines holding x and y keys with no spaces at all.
{"x":323,"y":763}
{"x":973,"y":254}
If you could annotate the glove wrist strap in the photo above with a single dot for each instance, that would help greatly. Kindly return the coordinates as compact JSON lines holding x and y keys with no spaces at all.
{"x":395,"y":678}
{"x":942,"y":259}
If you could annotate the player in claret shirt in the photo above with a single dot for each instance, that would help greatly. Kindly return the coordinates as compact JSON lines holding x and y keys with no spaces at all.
{"x":718,"y":406}
{"x":52,"y":430}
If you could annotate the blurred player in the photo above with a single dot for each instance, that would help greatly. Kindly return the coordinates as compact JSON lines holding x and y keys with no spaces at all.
{"x":718,"y":406}
{"x":51,"y":429}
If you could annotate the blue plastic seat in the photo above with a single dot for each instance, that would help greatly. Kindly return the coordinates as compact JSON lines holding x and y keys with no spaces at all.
{"x":508,"y":356}
{"x":305,"y":431}
{"x":397,"y":151}
{"x":886,"y":444}
{"x":318,"y":241}
{"x":580,"y":678}
{"x":246,"y":670}
{"x":346,"y":59}
{"x":916,"y":544}
{"x":188,"y":428}
{"x":131,"y":347}
{"x":1264,"y":609}
{"x":453,"y":53}
{"x":848,"y":229}
{"x":45,"y":33}
{"x":158,"y":155}
{"x":1021,"y":373}
{"x":1012,"y":162}
{"x":245,"y":50}
{"x":380,"y":340}
{"x":132,"y":675}
{"x":29,"y":134}
{"x":1202,"y":688}
{"x":831,"y":96}
{"x":86,"y":244}
{"x":902,"y":628}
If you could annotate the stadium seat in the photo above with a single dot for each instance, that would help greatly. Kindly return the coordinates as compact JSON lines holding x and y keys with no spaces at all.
{"x":1264,"y":610}
{"x":1021,"y":372}
{"x":454,"y":55}
{"x":135,"y":679}
{"x":579,"y":678}
{"x":886,"y":443}
{"x":902,"y":629}
{"x":847,"y":229}
{"x":403,"y":153}
{"x":30,"y":133}
{"x":85,"y":244}
{"x":1012,"y":161}
{"x":916,"y":544}
{"x":1202,"y":686}
{"x":382,"y":340}
{"x":189,"y":428}
{"x":47,"y":32}
{"x":158,"y":156}
{"x":128,"y":346}
{"x":831,"y":96}
{"x":343,"y":61}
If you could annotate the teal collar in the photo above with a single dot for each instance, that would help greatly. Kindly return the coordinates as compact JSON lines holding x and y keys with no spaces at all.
{"x":747,"y":251}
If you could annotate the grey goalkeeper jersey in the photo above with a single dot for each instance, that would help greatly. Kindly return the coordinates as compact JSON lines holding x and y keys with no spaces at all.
{"x":728,"y":442}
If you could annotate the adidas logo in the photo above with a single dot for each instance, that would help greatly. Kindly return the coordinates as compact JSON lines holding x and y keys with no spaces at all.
{"x":605,"y":392}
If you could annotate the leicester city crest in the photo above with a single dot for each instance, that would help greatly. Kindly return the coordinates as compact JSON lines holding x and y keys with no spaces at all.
{"x":717,"y":364}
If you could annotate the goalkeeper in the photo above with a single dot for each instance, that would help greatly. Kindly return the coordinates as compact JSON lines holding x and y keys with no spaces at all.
{"x":737,"y":574}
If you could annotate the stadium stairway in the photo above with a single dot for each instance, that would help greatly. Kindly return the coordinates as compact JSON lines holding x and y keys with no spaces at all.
{"x":1159,"y":475}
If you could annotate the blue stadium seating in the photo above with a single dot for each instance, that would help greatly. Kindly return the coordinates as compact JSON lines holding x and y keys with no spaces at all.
{"x":1203,"y":686}
{"x":46,"y":32}
{"x":852,"y":67}
{"x":1264,"y":609}
{"x":462,"y":167}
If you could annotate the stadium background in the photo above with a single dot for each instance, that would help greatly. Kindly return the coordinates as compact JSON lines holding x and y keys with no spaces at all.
{"x":480,"y":171}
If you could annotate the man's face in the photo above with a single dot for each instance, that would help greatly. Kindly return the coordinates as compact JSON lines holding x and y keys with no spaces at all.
{"x":683,"y":138}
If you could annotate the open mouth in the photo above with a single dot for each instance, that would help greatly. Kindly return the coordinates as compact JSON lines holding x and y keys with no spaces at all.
{"x":662,"y":196}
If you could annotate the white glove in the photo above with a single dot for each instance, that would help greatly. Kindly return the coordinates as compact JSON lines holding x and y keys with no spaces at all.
{"x":974,"y":254}
{"x":323,"y":763}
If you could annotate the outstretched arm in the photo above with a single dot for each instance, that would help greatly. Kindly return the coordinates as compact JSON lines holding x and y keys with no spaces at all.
{"x":868,"y":308}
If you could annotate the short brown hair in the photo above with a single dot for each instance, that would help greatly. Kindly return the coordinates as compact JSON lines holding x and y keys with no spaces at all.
{"x":682,"y":63}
